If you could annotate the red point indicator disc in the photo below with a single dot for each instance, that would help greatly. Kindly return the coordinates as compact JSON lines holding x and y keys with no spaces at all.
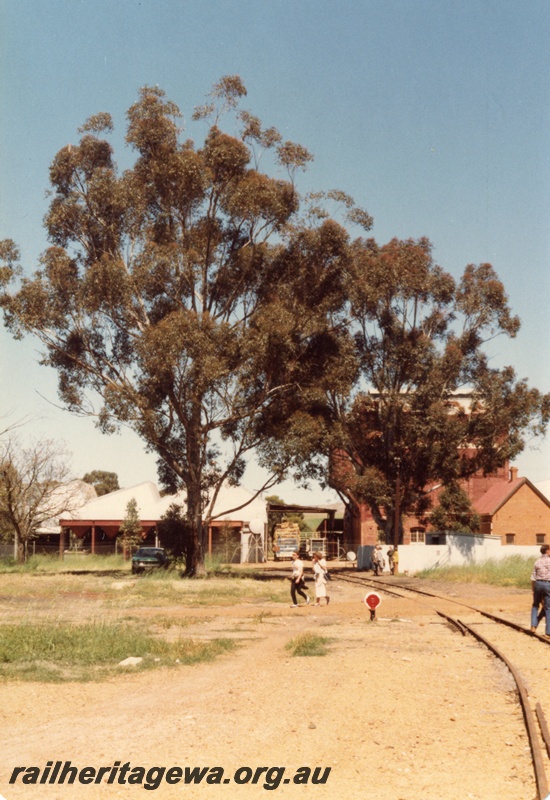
{"x":372,"y":600}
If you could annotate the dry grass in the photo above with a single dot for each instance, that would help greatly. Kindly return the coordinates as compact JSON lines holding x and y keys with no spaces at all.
{"x":308,"y":644}
{"x":514,"y":571}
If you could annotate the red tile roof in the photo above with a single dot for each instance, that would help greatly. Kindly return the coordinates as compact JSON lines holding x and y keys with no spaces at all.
{"x":500,"y":493}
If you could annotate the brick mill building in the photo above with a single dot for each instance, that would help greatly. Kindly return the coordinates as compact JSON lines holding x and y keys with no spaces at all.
{"x":516,"y":511}
{"x":509,"y":507}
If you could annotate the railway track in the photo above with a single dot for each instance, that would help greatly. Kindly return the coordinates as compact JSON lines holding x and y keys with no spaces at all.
{"x":507,"y":640}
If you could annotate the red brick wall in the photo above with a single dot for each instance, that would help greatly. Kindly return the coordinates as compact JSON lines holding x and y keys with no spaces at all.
{"x":476,"y":486}
{"x":525,"y":514}
{"x":364,"y":529}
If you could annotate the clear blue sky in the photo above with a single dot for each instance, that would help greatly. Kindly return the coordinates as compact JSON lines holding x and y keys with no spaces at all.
{"x":433,"y":114}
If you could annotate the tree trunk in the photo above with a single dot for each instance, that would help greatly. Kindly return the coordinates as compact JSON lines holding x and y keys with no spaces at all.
{"x":195,"y":567}
{"x":19,"y":548}
{"x":388,"y":524}
{"x":193,"y":484}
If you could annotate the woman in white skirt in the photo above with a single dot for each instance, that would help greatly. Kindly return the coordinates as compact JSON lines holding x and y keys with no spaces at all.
{"x":320,"y":574}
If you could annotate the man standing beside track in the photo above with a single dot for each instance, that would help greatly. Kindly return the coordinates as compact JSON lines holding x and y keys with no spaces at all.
{"x":540,"y":581}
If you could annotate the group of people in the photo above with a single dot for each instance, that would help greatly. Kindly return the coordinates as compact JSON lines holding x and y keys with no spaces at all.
{"x":298,"y":584}
{"x":540,"y":581}
{"x":378,"y":562}
{"x":321,"y":576}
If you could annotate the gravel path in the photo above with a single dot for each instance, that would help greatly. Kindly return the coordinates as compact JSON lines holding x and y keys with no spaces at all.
{"x":400,"y":709}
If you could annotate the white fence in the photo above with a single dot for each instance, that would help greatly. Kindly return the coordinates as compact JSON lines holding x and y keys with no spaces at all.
{"x":458,"y":550}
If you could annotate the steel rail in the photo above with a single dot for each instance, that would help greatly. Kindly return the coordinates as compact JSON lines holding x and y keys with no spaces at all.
{"x":529,"y":717}
{"x":455,"y":622}
{"x":381,"y":585}
{"x":543,"y":727}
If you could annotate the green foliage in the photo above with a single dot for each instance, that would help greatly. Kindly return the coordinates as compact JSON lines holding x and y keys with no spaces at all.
{"x":228,"y":542}
{"x":419,"y":340}
{"x":131,"y":531}
{"x":308,"y":644}
{"x":175,"y":533}
{"x":117,"y":593}
{"x":514,"y":571}
{"x":69,"y":563}
{"x":454,"y":512}
{"x":192,"y":293}
{"x":70,"y":652}
{"x":103,"y":482}
{"x":218,"y":313}
{"x":276,"y":517}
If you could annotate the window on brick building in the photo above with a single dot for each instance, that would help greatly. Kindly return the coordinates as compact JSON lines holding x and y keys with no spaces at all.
{"x":510,"y":538}
{"x":541,"y":538}
{"x":418,"y":536}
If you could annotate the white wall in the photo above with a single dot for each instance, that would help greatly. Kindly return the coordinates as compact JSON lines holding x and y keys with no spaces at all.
{"x":460,"y":550}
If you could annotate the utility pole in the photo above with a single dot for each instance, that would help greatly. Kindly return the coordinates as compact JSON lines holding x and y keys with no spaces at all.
{"x":397,"y":503}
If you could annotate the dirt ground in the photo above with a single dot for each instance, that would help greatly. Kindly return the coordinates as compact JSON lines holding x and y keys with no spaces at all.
{"x":399,"y":709}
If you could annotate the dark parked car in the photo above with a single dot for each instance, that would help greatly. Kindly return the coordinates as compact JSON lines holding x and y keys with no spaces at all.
{"x":149,"y":558}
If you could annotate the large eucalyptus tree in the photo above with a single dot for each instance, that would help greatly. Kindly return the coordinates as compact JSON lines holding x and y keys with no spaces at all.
{"x":423,"y":339}
{"x":425,"y":406}
{"x":189,"y":296}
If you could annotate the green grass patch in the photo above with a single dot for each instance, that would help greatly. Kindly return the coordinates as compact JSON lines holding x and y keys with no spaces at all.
{"x":38,"y":587}
{"x":71,"y":562}
{"x":308,"y":644}
{"x":157,"y":591}
{"x":67,"y":592}
{"x":513,"y":571}
{"x":92,"y":651}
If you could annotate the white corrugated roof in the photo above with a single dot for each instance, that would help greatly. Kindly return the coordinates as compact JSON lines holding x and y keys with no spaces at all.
{"x":232,"y":503}
{"x":113,"y":505}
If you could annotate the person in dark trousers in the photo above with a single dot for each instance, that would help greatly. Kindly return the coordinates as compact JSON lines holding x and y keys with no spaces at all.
{"x":297,"y":583}
{"x":540,"y":581}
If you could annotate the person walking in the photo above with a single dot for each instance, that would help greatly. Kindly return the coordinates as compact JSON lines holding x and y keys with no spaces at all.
{"x":378,"y":560}
{"x":297,"y":583}
{"x":320,"y":575}
{"x":540,"y":581}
